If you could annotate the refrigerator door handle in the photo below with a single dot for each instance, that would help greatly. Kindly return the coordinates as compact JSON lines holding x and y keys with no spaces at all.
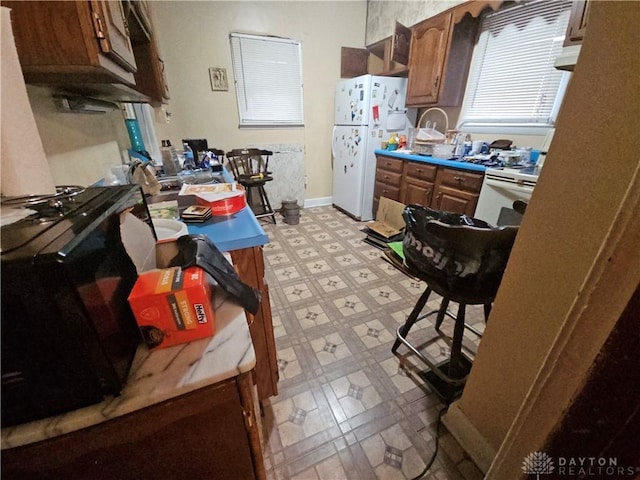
{"x":333,"y":145}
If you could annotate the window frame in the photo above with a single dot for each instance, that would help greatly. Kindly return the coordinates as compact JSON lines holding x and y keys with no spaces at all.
{"x":493,"y":125}
{"x":255,"y":80}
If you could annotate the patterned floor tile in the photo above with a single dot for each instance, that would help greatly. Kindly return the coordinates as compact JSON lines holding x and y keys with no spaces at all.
{"x":349,"y":305}
{"x":347,"y":407}
{"x":288,"y":364}
{"x":310,"y":317}
{"x":286,"y":273}
{"x":330,"y":349}
{"x":373,"y":333}
{"x":355,"y":393}
{"x":332,"y":284}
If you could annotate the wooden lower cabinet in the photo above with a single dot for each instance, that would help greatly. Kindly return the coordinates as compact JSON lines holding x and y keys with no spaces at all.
{"x":457,"y":191}
{"x":213,"y":432}
{"x":388,"y":180}
{"x":456,"y":201}
{"x":420,"y":183}
{"x":249,"y":263}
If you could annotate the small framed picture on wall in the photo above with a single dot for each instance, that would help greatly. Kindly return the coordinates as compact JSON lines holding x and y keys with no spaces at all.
{"x":218,"y":77}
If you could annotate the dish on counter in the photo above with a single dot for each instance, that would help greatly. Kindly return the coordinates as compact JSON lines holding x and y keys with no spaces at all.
{"x":168,"y":230}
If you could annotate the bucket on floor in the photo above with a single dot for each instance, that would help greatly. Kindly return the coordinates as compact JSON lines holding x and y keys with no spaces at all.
{"x":291,"y":212}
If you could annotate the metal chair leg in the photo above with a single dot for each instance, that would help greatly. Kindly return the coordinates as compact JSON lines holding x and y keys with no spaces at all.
{"x":412,"y":318}
{"x":442,"y":312}
{"x":456,"y":368}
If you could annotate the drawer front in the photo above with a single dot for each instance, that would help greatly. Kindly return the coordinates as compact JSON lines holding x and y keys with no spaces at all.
{"x":390,"y":164}
{"x":421,"y":171}
{"x":384,"y":190}
{"x":468,"y":181}
{"x":389,"y":178}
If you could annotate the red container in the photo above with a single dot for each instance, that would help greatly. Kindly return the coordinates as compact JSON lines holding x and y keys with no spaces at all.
{"x":173,"y":306}
{"x":226,"y":206}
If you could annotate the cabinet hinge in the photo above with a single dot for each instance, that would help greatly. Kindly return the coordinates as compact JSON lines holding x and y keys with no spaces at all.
{"x":97,"y":25}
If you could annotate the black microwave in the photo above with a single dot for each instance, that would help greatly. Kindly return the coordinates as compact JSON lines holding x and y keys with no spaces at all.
{"x":68,"y":333}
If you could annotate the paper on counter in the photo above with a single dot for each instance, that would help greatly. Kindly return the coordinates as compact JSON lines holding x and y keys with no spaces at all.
{"x":396,"y":120}
{"x":212,"y":192}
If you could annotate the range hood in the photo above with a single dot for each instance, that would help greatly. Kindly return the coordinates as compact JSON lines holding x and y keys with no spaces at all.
{"x":79,"y":104}
{"x":568,"y":58}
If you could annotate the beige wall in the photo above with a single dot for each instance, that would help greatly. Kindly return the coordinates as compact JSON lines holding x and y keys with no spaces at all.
{"x":79,"y":147}
{"x":383,"y":14}
{"x":194,"y":36}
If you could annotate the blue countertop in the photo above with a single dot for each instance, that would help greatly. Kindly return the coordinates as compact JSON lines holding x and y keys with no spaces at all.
{"x":232,"y":232}
{"x":434,"y":161}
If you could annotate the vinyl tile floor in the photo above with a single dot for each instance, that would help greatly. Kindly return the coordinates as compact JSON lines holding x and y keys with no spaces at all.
{"x":348,"y":408}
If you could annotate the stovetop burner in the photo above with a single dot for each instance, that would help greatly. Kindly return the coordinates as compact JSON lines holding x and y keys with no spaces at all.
{"x":47,"y":213}
{"x":50,"y":200}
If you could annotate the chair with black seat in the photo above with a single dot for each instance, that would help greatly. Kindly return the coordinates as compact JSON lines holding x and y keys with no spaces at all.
{"x":462,"y":259}
{"x":250,"y":168}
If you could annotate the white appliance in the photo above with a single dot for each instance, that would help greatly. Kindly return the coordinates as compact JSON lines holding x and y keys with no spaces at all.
{"x":367,"y":110}
{"x":503,"y":186}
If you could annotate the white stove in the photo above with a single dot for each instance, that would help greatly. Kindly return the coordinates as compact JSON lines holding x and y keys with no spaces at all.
{"x":501,"y":187}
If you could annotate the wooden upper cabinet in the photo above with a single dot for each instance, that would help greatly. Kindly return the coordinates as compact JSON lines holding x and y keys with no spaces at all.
{"x":426,"y":61}
{"x":577,"y":22}
{"x":72,"y":42}
{"x":440,"y":55}
{"x":388,"y":57}
{"x":400,"y":44}
{"x":112,"y":32}
{"x":150,"y":77}
{"x":353,"y":62}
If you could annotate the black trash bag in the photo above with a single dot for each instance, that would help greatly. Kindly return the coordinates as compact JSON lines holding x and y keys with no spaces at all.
{"x":458,"y":256}
{"x":199,"y":250}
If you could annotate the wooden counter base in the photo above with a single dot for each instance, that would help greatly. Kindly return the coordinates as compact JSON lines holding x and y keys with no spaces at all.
{"x":213,"y":432}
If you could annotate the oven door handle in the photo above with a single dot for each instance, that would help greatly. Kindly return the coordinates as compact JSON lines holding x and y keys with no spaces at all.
{"x":513,"y":187}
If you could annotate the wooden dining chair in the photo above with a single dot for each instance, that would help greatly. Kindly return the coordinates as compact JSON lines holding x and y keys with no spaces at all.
{"x":250,"y":168}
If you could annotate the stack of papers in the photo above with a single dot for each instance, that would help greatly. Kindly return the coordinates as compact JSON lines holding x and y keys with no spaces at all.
{"x":388,"y":225}
{"x":196,"y":213}
{"x":212,"y":192}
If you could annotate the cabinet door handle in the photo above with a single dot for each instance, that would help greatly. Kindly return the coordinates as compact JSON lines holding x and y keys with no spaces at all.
{"x":97,"y":25}
{"x":438,"y":199}
{"x":435,"y":82}
{"x":459,"y":179}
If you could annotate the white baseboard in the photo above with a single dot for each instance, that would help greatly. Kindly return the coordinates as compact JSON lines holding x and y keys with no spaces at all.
{"x":318,"y":202}
{"x":469,"y":438}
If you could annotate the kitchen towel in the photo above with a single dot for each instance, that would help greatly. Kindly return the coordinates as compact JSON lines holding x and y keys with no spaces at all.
{"x":24,"y":168}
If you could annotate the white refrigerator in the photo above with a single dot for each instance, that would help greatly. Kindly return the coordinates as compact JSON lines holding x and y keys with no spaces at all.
{"x":367,"y":110}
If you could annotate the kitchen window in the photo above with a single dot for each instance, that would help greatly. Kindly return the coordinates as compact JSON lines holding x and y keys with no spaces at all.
{"x":513,"y":86}
{"x":268,"y":75}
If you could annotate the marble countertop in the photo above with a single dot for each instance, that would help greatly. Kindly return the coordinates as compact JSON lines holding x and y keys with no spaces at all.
{"x":159,"y":375}
{"x":473,"y":167}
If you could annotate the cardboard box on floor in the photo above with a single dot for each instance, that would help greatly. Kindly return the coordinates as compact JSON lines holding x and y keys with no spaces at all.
{"x":170,"y":305}
{"x":389,"y":221}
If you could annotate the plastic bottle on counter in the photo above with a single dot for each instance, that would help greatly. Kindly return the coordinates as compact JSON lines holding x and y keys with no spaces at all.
{"x":170,"y":162}
{"x":189,"y":160}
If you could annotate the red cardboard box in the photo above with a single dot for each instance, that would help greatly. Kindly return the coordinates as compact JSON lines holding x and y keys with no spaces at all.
{"x":173,"y":306}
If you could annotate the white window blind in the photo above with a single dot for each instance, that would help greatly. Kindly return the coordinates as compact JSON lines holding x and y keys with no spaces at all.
{"x":268,"y":75}
{"x":512,"y":81}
